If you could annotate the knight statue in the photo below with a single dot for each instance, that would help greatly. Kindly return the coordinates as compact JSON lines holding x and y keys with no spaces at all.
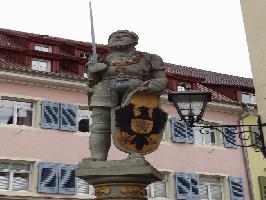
{"x":116,"y":76}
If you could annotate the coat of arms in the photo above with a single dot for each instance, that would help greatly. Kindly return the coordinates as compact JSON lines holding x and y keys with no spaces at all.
{"x":139,"y":124}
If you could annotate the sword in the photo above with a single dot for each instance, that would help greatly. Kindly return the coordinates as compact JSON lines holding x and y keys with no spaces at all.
{"x":94,"y":54}
{"x":93,"y":59}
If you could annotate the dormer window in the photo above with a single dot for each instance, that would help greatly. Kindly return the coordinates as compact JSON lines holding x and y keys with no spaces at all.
{"x":44,"y":48}
{"x":41,"y":65}
{"x":183,"y":86}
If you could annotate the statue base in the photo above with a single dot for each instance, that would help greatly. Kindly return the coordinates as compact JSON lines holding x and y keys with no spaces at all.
{"x":119,"y":179}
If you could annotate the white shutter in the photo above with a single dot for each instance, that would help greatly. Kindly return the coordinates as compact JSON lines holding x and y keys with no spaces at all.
{"x":20,"y":181}
{"x":159,"y":188}
{"x":203,"y":190}
{"x":4,"y":180}
{"x":82,"y":186}
{"x":216,"y":192}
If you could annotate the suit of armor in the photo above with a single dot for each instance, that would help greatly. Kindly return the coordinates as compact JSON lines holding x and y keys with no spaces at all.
{"x":119,"y":73}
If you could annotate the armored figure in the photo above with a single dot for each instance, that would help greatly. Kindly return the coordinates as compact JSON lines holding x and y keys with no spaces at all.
{"x":118,"y":75}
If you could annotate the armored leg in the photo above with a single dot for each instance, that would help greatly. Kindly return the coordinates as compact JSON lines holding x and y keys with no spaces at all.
{"x":100,"y":138}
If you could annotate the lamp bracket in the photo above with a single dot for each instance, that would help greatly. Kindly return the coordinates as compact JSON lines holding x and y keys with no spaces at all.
{"x":243,"y":131}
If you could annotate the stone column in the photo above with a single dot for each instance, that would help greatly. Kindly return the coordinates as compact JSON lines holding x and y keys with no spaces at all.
{"x":119,"y":179}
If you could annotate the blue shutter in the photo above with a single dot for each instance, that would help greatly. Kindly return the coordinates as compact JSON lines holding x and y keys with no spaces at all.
{"x":236,"y":188}
{"x":67,"y":179}
{"x":194,"y":178}
{"x":230,"y":137}
{"x":183,"y":186}
{"x":50,"y":115}
{"x":48,"y":178}
{"x":179,"y":130}
{"x":68,"y":120}
{"x":190,"y":135}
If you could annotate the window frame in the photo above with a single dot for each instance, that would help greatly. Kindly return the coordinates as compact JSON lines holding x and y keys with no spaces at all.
{"x":43,"y":46}
{"x":39,"y":61}
{"x":219,"y":140}
{"x":15,"y":108}
{"x":208,"y":184}
{"x":12,"y":172}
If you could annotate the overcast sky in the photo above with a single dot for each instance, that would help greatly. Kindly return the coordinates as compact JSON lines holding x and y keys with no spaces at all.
{"x":205,"y":34}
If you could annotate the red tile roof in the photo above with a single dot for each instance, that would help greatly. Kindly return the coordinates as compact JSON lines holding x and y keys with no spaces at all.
{"x":215,"y":95}
{"x":57,"y":39}
{"x":210,"y":77}
{"x":9,"y":42}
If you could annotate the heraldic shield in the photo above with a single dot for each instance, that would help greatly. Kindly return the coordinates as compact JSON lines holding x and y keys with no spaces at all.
{"x":139,"y":124}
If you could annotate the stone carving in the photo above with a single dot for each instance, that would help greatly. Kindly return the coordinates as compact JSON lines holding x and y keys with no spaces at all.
{"x":120,"y":73}
{"x":133,"y":191}
{"x":102,"y":190}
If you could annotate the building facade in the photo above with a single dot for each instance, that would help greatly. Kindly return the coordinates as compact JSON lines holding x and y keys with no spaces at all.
{"x":44,"y":126}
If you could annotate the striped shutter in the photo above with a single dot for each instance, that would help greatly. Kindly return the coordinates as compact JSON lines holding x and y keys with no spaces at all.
{"x":67,"y":179}
{"x":4,"y":180}
{"x":230,"y":137}
{"x":82,"y":186}
{"x":236,"y":188}
{"x":262,"y":181}
{"x":254,"y":133}
{"x":48,"y":178}
{"x":159,"y":188}
{"x":190,"y":135}
{"x":21,"y":182}
{"x":68,"y":120}
{"x":179,"y":130}
{"x":194,"y":178}
{"x":50,"y":115}
{"x":183,"y":186}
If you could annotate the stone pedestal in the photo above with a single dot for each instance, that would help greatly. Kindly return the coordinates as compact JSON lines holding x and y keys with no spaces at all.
{"x":119,"y":179}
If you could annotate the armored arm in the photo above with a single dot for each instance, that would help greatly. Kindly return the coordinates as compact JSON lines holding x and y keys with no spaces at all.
{"x":95,"y":70}
{"x":158,"y":80}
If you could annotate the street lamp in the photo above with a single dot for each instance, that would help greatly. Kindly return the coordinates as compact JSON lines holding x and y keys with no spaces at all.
{"x":190,"y":106}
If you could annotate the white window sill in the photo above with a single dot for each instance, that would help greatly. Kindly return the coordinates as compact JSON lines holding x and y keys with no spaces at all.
{"x":35,"y":194}
{"x":16,"y":126}
{"x":209,"y":146}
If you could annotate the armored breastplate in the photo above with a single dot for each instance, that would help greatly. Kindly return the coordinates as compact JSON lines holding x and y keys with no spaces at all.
{"x":125,"y":66}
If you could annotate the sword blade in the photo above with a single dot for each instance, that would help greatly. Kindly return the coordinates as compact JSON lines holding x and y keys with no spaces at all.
{"x":94,"y":54}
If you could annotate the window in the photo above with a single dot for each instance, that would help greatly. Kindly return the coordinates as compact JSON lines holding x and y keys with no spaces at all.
{"x":83,"y":187}
{"x":59,"y":116}
{"x":210,"y":188}
{"x":248,"y":98}
{"x":208,"y":136}
{"x":41,"y":65}
{"x":44,"y":48}
{"x":16,"y":112}
{"x":57,"y":178}
{"x":14,"y":176}
{"x":181,"y":132}
{"x":157,"y":189}
{"x":84,"y":119}
{"x":183,"y":86}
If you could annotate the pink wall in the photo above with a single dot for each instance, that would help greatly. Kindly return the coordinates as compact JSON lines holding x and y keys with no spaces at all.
{"x":67,"y":147}
{"x":51,"y":94}
{"x":46,"y":145}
